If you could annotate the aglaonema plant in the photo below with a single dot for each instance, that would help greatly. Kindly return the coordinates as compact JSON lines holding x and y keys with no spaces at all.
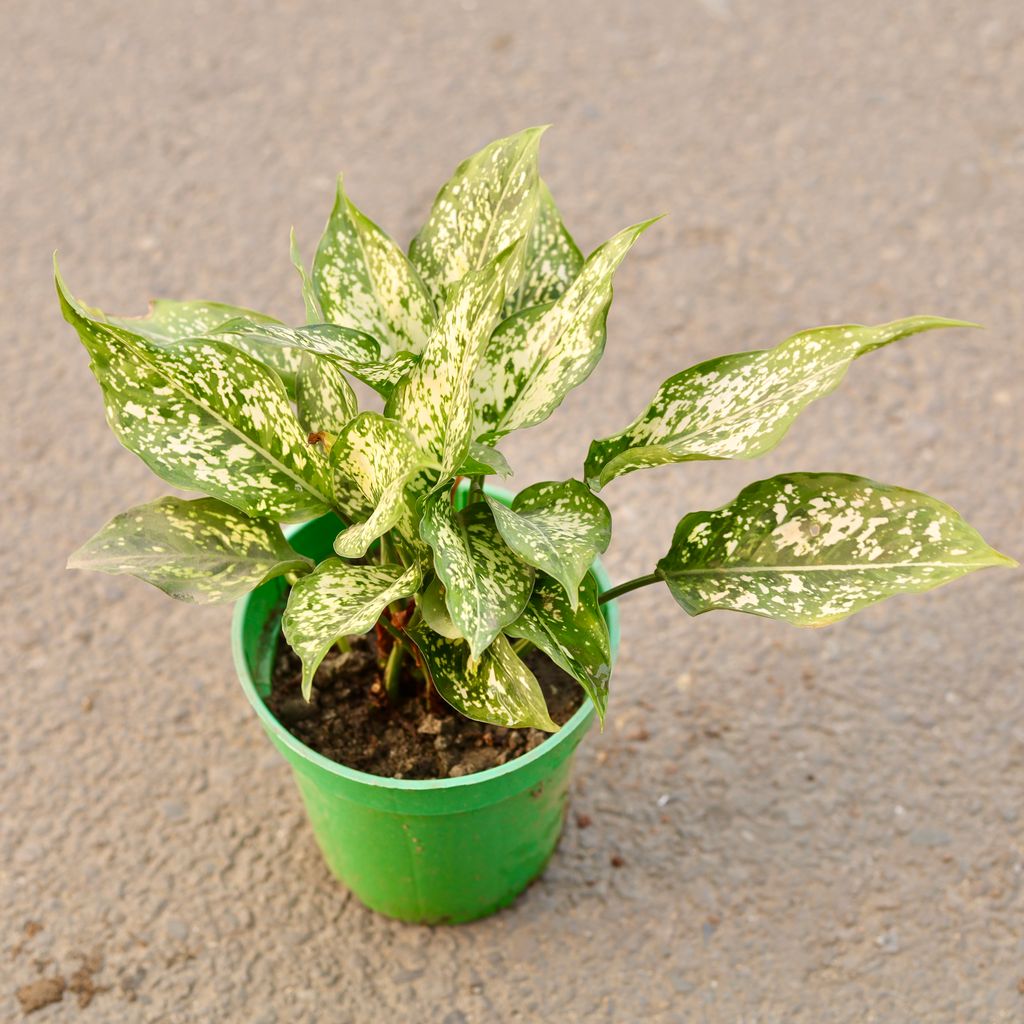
{"x":491,"y":319}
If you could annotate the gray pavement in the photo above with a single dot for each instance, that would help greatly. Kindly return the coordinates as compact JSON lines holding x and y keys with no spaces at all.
{"x":812,"y":826}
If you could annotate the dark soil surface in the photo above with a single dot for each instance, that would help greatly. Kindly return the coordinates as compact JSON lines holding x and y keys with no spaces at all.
{"x":349,"y":722}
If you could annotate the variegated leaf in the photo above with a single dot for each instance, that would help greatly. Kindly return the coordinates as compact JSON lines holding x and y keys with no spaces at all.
{"x":552,"y":259}
{"x":434,"y":401}
{"x":339,"y":599}
{"x":575,"y":638}
{"x":489,"y":203}
{"x":812,"y":548}
{"x":363,"y":280}
{"x":486,"y":584}
{"x":354,"y":351}
{"x":559,"y":526}
{"x":205,"y":416}
{"x":740,"y":406}
{"x":372,"y":461}
{"x":498,"y":689}
{"x":314,"y":314}
{"x":431,"y":605}
{"x":483,"y":460}
{"x":324,"y":399}
{"x":536,"y":357}
{"x":197,"y":551}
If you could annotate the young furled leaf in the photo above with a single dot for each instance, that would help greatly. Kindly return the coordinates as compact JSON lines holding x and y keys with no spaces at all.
{"x":559,"y":527}
{"x":314,"y":314}
{"x":363,"y":280}
{"x":434,"y":402}
{"x":486,"y":585}
{"x":536,"y":357}
{"x":339,"y":599}
{"x":812,"y":548}
{"x":198,"y":551}
{"x":740,"y":406}
{"x":574,"y":637}
{"x":499,"y":689}
{"x":431,"y":605}
{"x":483,"y":460}
{"x":552,"y":259}
{"x":205,"y":416}
{"x":324,"y":399}
{"x":372,"y":461}
{"x":488,"y":204}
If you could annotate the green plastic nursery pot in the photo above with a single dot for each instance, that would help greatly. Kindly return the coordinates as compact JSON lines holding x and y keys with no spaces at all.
{"x":429,"y":851}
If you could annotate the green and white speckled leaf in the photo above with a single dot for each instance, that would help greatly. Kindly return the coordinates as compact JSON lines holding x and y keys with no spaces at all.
{"x":339,"y":599}
{"x":499,"y":689}
{"x":372,"y":461}
{"x":559,"y":526}
{"x":198,"y":551}
{"x":205,"y":416}
{"x":324,"y":399}
{"x":812,"y":548}
{"x":431,"y":605}
{"x":483,"y":460}
{"x":355,"y":352}
{"x":536,"y":357}
{"x":434,"y":401}
{"x":363,"y":280}
{"x":314,"y":314}
{"x":740,"y":406}
{"x":488,"y":204}
{"x":575,"y":639}
{"x":486,"y":584}
{"x":552,"y":260}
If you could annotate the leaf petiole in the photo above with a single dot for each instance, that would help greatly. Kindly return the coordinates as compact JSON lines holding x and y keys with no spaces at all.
{"x":625,"y":588}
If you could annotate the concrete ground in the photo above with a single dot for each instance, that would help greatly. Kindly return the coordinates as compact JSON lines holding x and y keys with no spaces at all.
{"x":811,"y":826}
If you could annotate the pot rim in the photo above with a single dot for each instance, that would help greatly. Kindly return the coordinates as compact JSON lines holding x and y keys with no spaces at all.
{"x":579,"y":721}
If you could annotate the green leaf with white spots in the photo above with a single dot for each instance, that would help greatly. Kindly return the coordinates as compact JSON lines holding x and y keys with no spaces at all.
{"x":575,"y":638}
{"x":484,"y":460}
{"x":431,"y":605}
{"x":740,"y":406}
{"x":354,"y":351}
{"x":812,"y":548}
{"x":363,"y":280}
{"x":486,"y":584}
{"x":372,"y":461}
{"x":489,"y":203}
{"x":498,"y":689}
{"x":552,"y":259}
{"x":559,"y":526}
{"x":198,"y":551}
{"x":536,"y":357}
{"x":324,"y":399}
{"x":434,"y":403}
{"x":206,"y":417}
{"x":314,"y":314}
{"x":339,"y":599}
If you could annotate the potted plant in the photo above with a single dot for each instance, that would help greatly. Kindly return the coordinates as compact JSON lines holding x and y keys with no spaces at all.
{"x":447,"y":645}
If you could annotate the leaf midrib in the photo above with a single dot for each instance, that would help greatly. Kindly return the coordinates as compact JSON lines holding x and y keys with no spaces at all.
{"x":836,"y":567}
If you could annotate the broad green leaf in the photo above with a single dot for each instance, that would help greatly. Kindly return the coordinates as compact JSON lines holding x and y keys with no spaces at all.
{"x":488,"y":204}
{"x":499,"y":689}
{"x":812,"y":548}
{"x":324,"y":399}
{"x":339,"y":599}
{"x":536,"y":357}
{"x":354,"y":351}
{"x":552,"y":260}
{"x":363,"y":280}
{"x":559,"y":527}
{"x":198,"y":551}
{"x":740,"y":406}
{"x":372,"y":461}
{"x":575,"y":638}
{"x":205,"y":416}
{"x":486,"y":584}
{"x":434,"y":401}
{"x":483,"y":460}
{"x":314,"y":314}
{"x":431,"y":605}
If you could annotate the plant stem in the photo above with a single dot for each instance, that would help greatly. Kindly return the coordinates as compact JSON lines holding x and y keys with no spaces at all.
{"x":400,"y":640}
{"x":520,"y":645}
{"x":343,"y":645}
{"x":393,"y":672}
{"x":387,"y":550}
{"x":476,"y":489}
{"x":625,"y":588}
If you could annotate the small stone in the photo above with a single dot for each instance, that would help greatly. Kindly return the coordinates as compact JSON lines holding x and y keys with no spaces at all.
{"x":430,"y":726}
{"x":458,"y":770}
